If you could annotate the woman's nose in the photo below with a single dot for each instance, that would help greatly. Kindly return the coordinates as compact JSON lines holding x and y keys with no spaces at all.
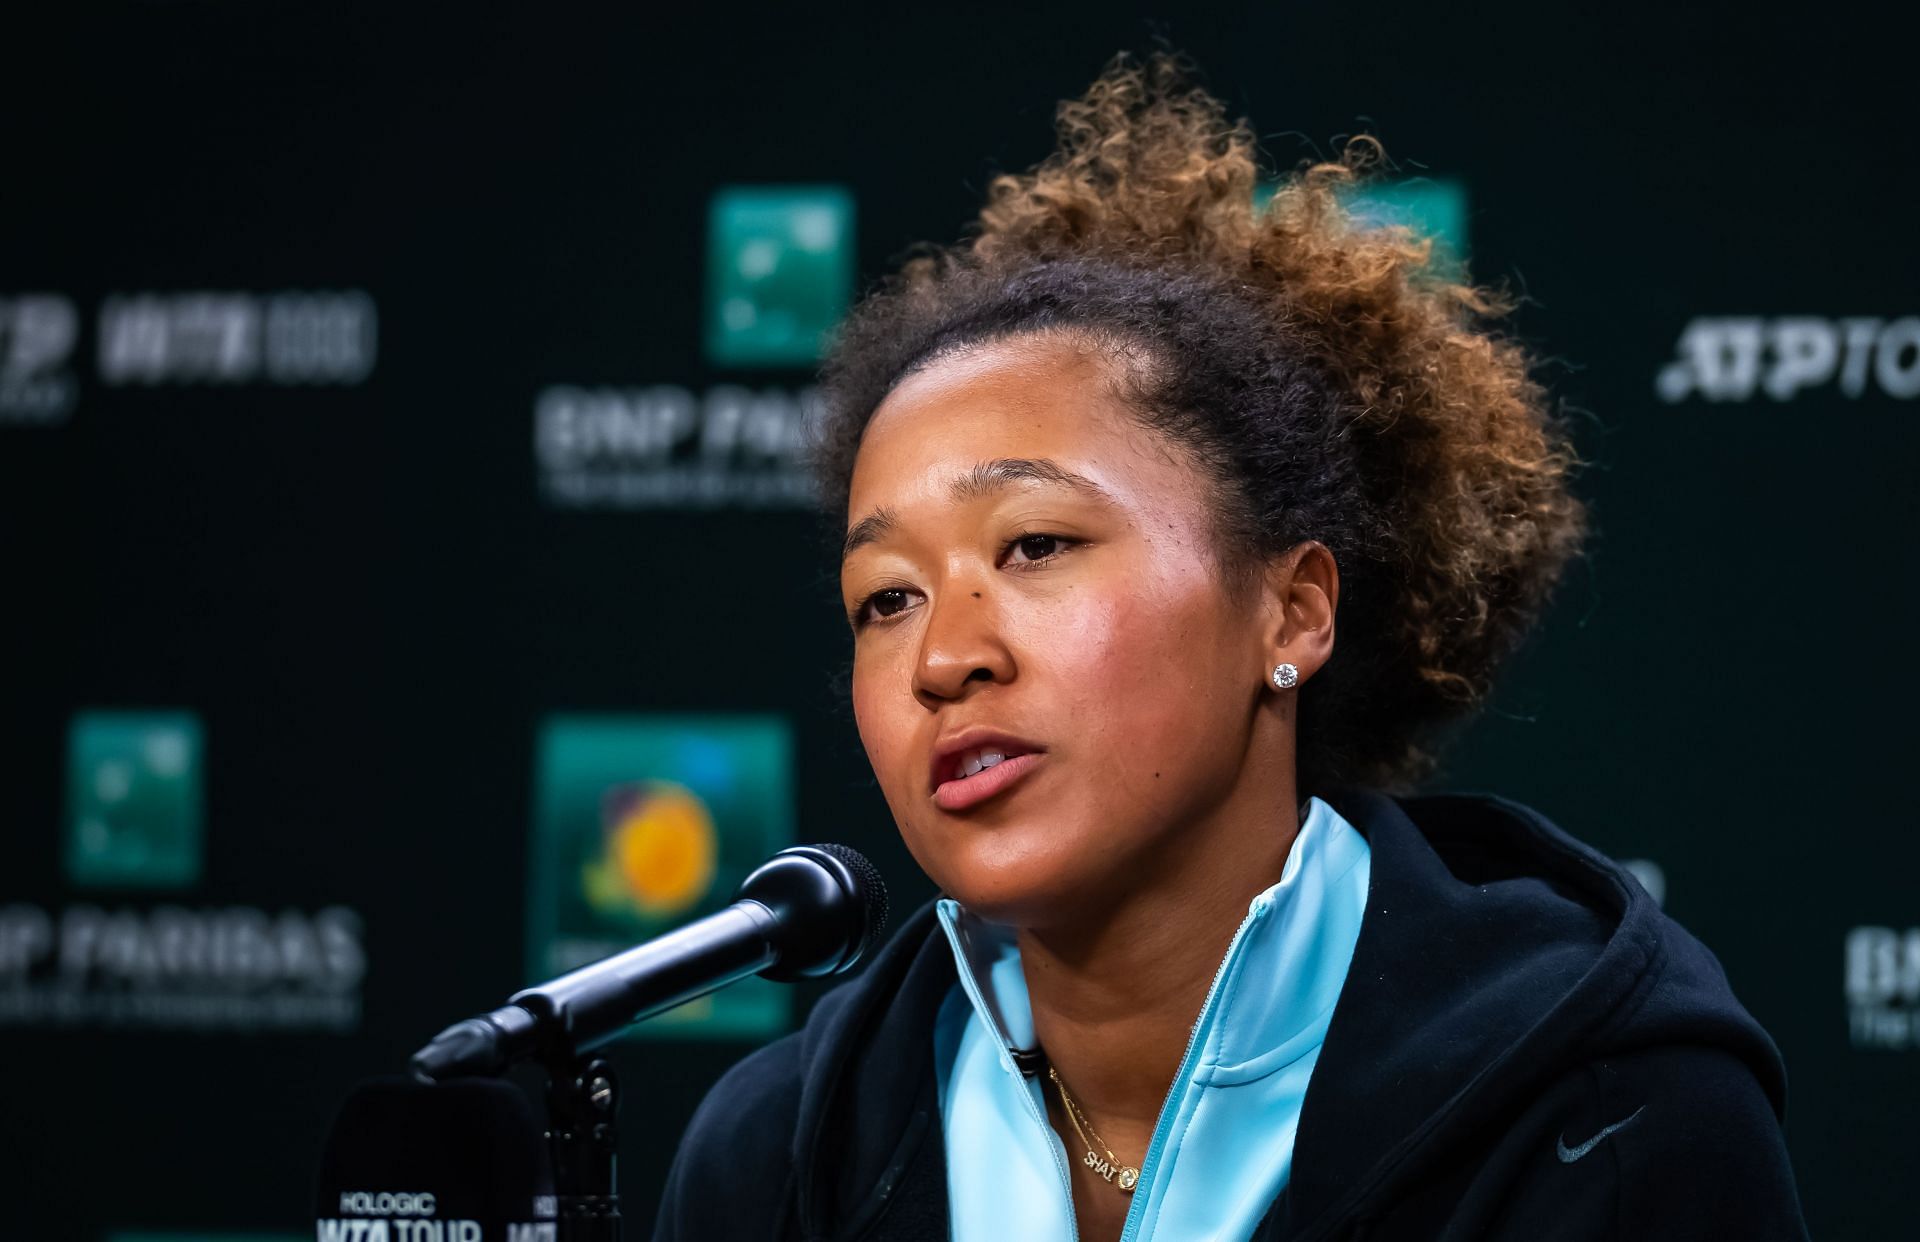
{"x":960,"y":647}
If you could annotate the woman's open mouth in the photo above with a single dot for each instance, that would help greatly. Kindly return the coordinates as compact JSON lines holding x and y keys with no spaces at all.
{"x":975,"y":766}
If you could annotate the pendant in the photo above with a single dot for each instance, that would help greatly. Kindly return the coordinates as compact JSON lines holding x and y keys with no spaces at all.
{"x":1129,"y":1176}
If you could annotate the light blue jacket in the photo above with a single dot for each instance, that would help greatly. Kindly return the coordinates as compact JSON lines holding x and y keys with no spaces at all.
{"x":1223,"y":1146}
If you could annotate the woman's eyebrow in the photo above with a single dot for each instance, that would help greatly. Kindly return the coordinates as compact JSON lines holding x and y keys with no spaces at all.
{"x":991,"y":476}
{"x":867,"y":530}
{"x":983,"y":480}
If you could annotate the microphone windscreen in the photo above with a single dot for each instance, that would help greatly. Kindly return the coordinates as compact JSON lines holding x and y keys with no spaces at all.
{"x":457,"y":1161}
{"x":870,"y":889}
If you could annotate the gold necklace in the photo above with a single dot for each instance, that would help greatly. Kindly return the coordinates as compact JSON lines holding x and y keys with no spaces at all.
{"x":1111,"y":1166}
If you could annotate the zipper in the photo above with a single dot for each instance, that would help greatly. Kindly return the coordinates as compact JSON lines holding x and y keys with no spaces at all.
{"x":1030,"y":1092}
{"x":1039,"y":1114}
{"x":1150,"y":1163}
{"x":1035,"y":1108}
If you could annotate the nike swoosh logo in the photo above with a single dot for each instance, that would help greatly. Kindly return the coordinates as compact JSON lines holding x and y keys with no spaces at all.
{"x":1570,"y":1154}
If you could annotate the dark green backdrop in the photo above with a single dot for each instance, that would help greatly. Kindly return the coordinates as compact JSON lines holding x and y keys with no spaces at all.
{"x":355,"y":583}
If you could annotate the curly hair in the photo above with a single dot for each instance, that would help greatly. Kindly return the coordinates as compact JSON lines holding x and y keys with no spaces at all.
{"x":1334,"y":381}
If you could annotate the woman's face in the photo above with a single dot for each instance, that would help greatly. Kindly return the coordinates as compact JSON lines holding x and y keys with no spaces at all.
{"x":1032,"y":584}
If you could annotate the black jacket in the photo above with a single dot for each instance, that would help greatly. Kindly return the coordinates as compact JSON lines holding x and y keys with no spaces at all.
{"x":1525,"y":1048}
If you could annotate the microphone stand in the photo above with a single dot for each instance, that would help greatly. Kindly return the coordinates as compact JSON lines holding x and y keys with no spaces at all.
{"x":583,"y":1100}
{"x":808,"y":911}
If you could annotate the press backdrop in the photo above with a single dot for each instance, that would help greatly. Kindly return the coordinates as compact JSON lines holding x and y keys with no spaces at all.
{"x":409,"y":590}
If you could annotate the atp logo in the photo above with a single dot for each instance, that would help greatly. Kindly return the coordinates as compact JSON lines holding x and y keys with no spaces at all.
{"x":1736,"y":358}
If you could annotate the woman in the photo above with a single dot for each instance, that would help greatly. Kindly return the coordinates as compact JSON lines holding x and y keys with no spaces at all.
{"x":1114,"y":472}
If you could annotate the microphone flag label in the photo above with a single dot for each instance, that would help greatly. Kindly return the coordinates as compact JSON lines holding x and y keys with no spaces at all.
{"x":409,"y":1216}
{"x":643,"y":823}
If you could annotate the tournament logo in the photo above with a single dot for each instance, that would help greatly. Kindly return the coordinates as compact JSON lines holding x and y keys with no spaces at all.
{"x":658,"y":852}
{"x":643,"y":823}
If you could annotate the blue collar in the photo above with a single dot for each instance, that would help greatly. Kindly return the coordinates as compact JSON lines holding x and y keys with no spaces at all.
{"x":1260,"y":1030}
{"x":1289,"y":926}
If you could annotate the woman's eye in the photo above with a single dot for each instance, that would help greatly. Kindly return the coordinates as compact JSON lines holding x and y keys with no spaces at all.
{"x":887,"y":603}
{"x":1030,"y":548}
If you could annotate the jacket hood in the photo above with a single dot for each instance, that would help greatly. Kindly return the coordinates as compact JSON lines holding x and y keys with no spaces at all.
{"x":1496,"y":954}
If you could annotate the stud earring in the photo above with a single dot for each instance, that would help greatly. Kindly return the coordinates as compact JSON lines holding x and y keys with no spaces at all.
{"x":1285,"y":677}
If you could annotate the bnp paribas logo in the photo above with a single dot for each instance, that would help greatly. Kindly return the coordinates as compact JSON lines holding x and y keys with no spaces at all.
{"x":134,"y":799}
{"x":779,"y":273}
{"x":645,"y":822}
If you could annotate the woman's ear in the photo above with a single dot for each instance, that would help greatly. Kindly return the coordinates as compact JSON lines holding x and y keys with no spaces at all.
{"x":1302,"y":592}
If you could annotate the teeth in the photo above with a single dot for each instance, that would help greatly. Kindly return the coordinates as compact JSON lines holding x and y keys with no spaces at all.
{"x":979,"y":761}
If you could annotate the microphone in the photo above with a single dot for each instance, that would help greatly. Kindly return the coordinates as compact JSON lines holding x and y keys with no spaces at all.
{"x":435,"y":1162}
{"x":808,"y":911}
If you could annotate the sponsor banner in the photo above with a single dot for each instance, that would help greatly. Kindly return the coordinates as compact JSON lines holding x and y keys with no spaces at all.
{"x":37,"y":335}
{"x":666,"y":446}
{"x":779,"y":277}
{"x":1741,"y":358}
{"x":206,"y":337}
{"x":292,"y":338}
{"x":230,"y":968}
{"x":1883,"y":987}
{"x":643,"y":823}
{"x":1434,"y":207}
{"x":134,"y":799}
{"x":779,"y":273}
{"x":134,"y":812}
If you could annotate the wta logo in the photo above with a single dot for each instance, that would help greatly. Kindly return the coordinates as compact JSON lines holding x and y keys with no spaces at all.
{"x":400,"y":1230}
{"x":366,"y":1216}
{"x":37,"y":336}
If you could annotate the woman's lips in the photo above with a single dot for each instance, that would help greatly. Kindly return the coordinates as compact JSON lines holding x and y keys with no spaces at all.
{"x":968,"y":791}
